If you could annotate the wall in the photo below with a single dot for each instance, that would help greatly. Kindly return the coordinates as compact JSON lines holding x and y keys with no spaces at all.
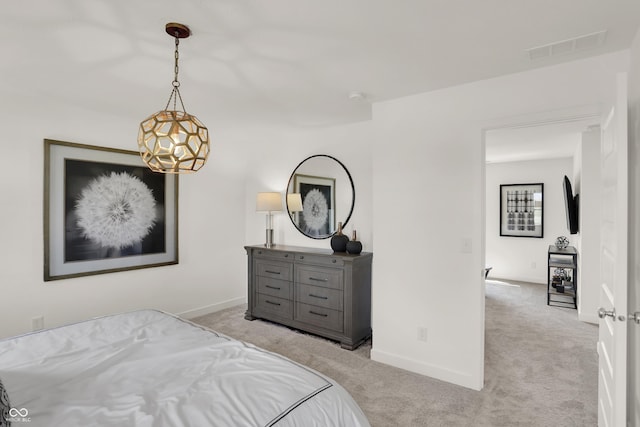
{"x":428,"y":158}
{"x":587,"y":184}
{"x":523,"y":258}
{"x":211,"y":273}
{"x":633,"y":357}
{"x":273,"y":161}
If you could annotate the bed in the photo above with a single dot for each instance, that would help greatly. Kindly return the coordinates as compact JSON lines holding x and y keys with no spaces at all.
{"x":149,"y":368}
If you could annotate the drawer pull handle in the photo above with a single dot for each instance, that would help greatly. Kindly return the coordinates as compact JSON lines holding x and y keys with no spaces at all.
{"x":318,"y":296}
{"x":301,"y":256}
{"x":318,"y":280}
{"x":333,"y":261}
{"x":272,"y":272}
{"x":272,"y":287}
{"x":271,"y":302}
{"x":318,"y":314}
{"x":286,"y":255}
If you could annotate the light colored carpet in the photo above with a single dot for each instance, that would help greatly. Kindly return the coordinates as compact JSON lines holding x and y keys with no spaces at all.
{"x":540,"y":367}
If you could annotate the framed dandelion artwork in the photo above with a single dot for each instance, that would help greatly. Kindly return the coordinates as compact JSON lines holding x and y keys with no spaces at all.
{"x":318,"y":216}
{"x":105,"y":211}
{"x":521,"y":213}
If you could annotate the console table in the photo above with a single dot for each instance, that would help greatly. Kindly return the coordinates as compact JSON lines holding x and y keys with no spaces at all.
{"x":315,"y":290}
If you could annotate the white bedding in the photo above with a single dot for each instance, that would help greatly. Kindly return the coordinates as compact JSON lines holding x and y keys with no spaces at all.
{"x":148,"y":368}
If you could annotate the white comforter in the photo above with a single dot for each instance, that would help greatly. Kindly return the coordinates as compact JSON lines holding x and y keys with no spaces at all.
{"x":148,"y":368}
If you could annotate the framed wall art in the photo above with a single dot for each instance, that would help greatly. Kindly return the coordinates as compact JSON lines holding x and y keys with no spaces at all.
{"x":521,"y":210}
{"x":318,"y":215}
{"x":105,"y":211}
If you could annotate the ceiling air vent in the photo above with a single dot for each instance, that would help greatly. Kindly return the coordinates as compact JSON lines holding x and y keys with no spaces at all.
{"x":563,"y":47}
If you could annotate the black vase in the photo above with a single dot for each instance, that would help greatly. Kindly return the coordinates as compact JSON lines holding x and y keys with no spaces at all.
{"x":339,"y":241}
{"x":354,"y":247}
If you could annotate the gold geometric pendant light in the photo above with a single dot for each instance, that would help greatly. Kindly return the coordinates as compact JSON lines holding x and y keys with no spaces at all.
{"x":173,"y":141}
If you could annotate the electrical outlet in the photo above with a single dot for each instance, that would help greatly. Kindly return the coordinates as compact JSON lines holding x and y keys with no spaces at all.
{"x":422,"y":334}
{"x":37,"y":323}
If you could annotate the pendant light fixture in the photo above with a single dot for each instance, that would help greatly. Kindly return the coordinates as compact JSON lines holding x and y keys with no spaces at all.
{"x":173,"y":141}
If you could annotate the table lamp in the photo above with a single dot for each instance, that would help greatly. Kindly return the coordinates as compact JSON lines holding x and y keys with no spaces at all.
{"x":269,"y":202}
{"x":294,"y":203}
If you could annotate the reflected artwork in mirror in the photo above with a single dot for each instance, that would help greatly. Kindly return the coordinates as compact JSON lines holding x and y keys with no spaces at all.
{"x":326,"y":189}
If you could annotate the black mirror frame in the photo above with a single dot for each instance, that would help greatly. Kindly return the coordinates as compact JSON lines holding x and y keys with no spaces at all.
{"x":353,"y":191}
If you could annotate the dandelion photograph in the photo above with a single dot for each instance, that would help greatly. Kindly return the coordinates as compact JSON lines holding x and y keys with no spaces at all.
{"x":112,"y":210}
{"x":317,"y":218}
{"x":105,"y":211}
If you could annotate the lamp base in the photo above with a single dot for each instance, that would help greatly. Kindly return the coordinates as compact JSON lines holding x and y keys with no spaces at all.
{"x":269,"y":237}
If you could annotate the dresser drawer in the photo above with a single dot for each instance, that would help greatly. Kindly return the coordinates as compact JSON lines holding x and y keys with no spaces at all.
{"x":318,"y":316}
{"x":274,"y":269}
{"x":319,"y":296}
{"x":334,"y":261}
{"x":277,"y":306}
{"x":318,"y":276}
{"x":270,"y":254}
{"x":274,"y":287}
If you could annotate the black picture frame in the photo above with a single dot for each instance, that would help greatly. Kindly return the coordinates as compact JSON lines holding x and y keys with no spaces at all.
{"x":522,"y":210}
{"x":105,"y":211}
{"x":318,"y":217}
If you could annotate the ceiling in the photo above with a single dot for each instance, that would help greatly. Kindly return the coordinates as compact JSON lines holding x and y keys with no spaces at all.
{"x":289,"y":62}
{"x":544,"y":141}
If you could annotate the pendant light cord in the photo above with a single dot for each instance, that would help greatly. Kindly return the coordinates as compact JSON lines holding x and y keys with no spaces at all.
{"x":176,"y":68}
{"x":175,"y":93}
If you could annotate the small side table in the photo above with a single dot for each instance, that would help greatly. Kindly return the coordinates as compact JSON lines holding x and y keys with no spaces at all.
{"x":565,"y":293}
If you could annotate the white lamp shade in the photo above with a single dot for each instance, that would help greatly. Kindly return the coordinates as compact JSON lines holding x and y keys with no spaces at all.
{"x":294,"y":202}
{"x":269,"y":202}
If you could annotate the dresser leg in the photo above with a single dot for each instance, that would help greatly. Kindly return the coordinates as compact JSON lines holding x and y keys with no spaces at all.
{"x":350,"y":345}
{"x":248,"y":316}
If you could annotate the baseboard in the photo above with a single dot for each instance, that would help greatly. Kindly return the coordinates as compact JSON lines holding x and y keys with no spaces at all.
{"x":212,"y":308}
{"x":535,"y":280}
{"x":437,"y":372}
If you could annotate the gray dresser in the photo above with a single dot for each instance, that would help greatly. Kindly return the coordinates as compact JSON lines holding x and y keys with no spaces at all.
{"x":314,"y":290}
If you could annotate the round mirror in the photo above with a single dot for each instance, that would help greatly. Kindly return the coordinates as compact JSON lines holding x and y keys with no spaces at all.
{"x":320,"y":194}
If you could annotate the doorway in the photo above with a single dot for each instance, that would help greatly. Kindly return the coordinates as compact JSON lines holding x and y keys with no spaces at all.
{"x":545,"y":153}
{"x":516,"y":308}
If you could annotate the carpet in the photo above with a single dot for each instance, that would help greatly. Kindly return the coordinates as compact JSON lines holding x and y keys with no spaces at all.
{"x":540,"y":367}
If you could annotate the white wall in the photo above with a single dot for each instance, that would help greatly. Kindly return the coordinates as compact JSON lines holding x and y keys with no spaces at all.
{"x":428,"y":158}
{"x":524,"y":258}
{"x":273,"y":160}
{"x":633,"y":358}
{"x":587,"y":185}
{"x":212,"y":270}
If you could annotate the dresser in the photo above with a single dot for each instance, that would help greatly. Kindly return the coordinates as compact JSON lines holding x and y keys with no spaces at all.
{"x":313,"y":290}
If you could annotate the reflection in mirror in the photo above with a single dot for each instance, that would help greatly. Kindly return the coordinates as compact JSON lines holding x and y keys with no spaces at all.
{"x":320,"y":194}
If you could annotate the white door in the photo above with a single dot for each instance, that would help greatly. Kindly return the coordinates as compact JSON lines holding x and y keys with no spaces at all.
{"x":612,"y":343}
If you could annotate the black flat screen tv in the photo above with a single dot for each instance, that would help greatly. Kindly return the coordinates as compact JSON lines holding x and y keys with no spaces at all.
{"x":571,"y":206}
